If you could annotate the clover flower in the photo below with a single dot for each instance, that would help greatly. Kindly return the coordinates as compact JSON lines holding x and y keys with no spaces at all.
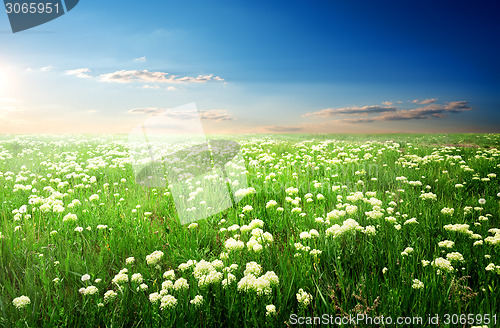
{"x":154,"y":298}
{"x":253,"y":268}
{"x":197,"y":300}
{"x":109,"y":296}
{"x":21,"y":302}
{"x":270,"y":310}
{"x":168,"y":302}
{"x":446,"y":244}
{"x":234,"y":245}
{"x":137,"y":278}
{"x":154,"y":257}
{"x":304,"y":298}
{"x":417,"y":284}
{"x":70,"y":217}
{"x":181,"y":284}
{"x":442,"y":264}
{"x":169,"y":275}
{"x":455,"y":256}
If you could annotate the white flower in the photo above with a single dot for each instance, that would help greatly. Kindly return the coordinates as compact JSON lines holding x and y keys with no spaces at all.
{"x":85,"y":277}
{"x":252,"y":268}
{"x":137,"y":278}
{"x":233,"y":245}
{"x":154,"y":297}
{"x":167,"y":285}
{"x":78,"y":229}
{"x":193,"y":225}
{"x":428,"y":195}
{"x":303,"y":297}
{"x":90,"y":290}
{"x":169,"y":275}
{"x":129,"y":260}
{"x":109,"y":296}
{"x":407,"y":251}
{"x":21,"y":302}
{"x":270,"y":310}
{"x":417,"y":284}
{"x":181,"y":284}
{"x":69,"y":217}
{"x":197,"y":301}
{"x":446,"y":244}
{"x":447,"y":211}
{"x":482,"y":201}
{"x":154,"y":257}
{"x":247,"y":208}
{"x":455,"y":256}
{"x":272,"y":203}
{"x":120,"y":278}
{"x":168,"y":302}
{"x":442,"y":264}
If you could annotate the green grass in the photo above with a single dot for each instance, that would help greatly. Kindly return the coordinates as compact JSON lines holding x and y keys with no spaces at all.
{"x":347,"y":278}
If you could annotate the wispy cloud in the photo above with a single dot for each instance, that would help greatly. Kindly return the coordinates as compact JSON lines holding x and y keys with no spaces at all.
{"x":146,"y":76}
{"x":388,"y":112}
{"x":329,"y":112}
{"x":282,"y":129}
{"x":146,"y":110}
{"x":426,"y":112}
{"x":425,"y":101}
{"x":216,"y":115}
{"x":212,"y":115}
{"x":143,"y":76}
{"x":46,"y":68}
{"x":140,"y":59}
{"x":80,"y":72}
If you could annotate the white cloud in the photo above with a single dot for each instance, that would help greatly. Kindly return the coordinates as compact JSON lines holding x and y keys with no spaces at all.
{"x":143,"y":76}
{"x":212,"y":115}
{"x":171,"y":88}
{"x":46,"y":68}
{"x":328,"y":112}
{"x":140,"y":59}
{"x":146,"y":110}
{"x":124,"y":76}
{"x":216,"y":115}
{"x":425,"y":101}
{"x":79,"y":72}
{"x":419,"y":113}
{"x":387,"y":103}
{"x":147,"y":86}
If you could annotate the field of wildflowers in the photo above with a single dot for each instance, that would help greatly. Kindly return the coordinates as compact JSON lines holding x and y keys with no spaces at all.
{"x":382,"y":225}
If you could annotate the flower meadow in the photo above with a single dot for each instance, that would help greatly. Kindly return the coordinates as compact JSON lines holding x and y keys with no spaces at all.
{"x":381,"y":225}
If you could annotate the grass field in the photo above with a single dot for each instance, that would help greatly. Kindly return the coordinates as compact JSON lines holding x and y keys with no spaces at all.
{"x":345,"y":225}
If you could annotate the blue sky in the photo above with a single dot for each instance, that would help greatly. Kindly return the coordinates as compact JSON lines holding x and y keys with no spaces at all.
{"x":260,"y":66}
